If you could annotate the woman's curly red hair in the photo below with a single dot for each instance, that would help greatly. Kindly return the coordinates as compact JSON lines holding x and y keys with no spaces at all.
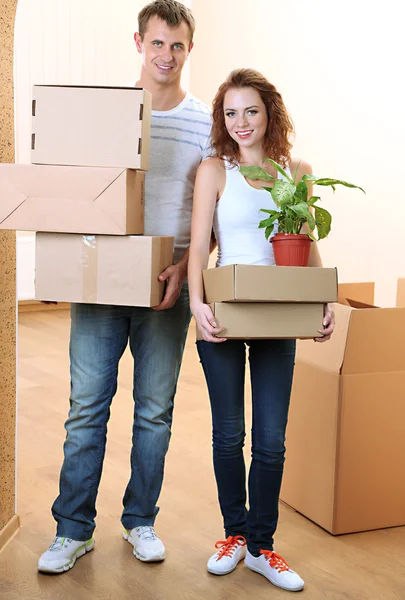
{"x":276,"y":141}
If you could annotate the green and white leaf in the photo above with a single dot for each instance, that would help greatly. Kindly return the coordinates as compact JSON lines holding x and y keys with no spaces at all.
{"x":288,"y":225}
{"x":279,"y":168}
{"x":323,"y":221}
{"x":269,"y":212}
{"x":311,"y":222}
{"x":268,"y":231}
{"x":325,"y":181}
{"x":269,"y":221}
{"x":302,"y":192}
{"x":300,"y":209}
{"x":283,"y":192}
{"x":255,"y":172}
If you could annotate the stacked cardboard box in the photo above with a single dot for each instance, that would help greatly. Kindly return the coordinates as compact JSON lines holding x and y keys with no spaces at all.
{"x":254,"y":301}
{"x":84,"y":194}
{"x":345,"y":436}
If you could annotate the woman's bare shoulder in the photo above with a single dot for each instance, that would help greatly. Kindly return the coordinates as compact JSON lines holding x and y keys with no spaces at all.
{"x":302,"y":167}
{"x":211,"y":166}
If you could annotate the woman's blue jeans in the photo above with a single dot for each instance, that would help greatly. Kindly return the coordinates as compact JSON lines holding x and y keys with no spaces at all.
{"x":271,"y":368}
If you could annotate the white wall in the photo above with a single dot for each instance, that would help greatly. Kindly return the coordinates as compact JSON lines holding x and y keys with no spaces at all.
{"x":339,"y":67}
{"x":88,"y":42}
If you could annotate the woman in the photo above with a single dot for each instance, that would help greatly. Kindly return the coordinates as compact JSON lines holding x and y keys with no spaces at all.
{"x":250,"y":123}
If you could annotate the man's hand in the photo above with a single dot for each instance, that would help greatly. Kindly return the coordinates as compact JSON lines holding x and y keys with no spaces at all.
{"x":174,"y":277}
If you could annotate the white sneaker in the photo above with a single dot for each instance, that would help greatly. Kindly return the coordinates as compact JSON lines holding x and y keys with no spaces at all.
{"x":274,"y":567}
{"x":231,"y":551}
{"x":62,"y":554}
{"x":147,"y":546}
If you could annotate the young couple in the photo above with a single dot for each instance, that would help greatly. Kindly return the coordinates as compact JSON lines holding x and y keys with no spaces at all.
{"x":249,"y":123}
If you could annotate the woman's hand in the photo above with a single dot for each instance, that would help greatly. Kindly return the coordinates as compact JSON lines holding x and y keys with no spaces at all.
{"x":328,"y":324}
{"x":206,"y":323}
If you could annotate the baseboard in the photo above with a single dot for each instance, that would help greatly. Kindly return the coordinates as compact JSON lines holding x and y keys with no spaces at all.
{"x":9,"y":531}
{"x":35,"y":305}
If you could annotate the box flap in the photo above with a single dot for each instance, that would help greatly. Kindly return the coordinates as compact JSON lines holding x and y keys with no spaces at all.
{"x":376,"y":341}
{"x":11,"y":194}
{"x":401,"y":292}
{"x":119,"y":213}
{"x":362,"y":291}
{"x":219,"y":284}
{"x":329,"y":355}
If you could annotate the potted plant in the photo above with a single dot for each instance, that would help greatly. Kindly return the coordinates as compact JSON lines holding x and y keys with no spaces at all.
{"x":291,"y":247}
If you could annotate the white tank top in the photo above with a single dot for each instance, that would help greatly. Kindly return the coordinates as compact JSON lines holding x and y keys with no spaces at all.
{"x":236,"y":220}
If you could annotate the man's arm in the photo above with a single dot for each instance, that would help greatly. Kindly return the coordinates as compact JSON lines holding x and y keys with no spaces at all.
{"x":175,"y":276}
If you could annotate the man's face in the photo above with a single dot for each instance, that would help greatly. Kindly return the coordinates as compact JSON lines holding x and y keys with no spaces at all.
{"x":164,"y":50}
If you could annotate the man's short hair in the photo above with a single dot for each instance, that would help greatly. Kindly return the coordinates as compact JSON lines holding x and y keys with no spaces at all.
{"x":170,"y":11}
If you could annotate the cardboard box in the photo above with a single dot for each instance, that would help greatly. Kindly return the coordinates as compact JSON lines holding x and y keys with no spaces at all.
{"x":362,"y":292}
{"x":71,"y":199}
{"x":101,"y":269}
{"x":345,"y":435}
{"x":257,"y":283}
{"x":268,"y":320}
{"x":91,"y":126}
{"x":401,"y":292}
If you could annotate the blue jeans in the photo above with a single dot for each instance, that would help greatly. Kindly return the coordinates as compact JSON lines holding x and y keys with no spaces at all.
{"x":271,"y":368}
{"x":99,"y":336}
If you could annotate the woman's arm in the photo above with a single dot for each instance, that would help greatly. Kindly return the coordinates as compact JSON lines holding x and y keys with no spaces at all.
{"x":315,"y":260}
{"x":208,"y":187}
{"x":304,"y":168}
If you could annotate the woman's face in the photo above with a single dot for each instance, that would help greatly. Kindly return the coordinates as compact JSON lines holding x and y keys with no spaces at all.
{"x":245,"y":116}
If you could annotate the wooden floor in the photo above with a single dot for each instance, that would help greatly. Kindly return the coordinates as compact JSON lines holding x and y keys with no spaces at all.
{"x":368,"y":566}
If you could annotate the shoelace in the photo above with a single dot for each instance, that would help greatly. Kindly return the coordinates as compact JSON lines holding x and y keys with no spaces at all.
{"x":58,"y":543}
{"x":228,"y":546}
{"x":276,"y":561}
{"x":148,"y":534}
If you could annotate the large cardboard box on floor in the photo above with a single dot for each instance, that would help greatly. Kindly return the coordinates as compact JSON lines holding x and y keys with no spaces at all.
{"x":345,"y":436}
{"x":259,"y":283}
{"x":91,"y":126}
{"x":101,"y":269}
{"x":72,"y":199}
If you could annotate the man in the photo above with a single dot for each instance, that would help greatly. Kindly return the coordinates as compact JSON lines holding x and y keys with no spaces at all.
{"x":99,"y":334}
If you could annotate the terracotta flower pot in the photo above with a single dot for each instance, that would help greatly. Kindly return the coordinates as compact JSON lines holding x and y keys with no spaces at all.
{"x":291,"y":249}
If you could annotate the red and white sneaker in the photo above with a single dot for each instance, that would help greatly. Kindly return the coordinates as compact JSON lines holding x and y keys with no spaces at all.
{"x":231,"y":552}
{"x":275,"y":569}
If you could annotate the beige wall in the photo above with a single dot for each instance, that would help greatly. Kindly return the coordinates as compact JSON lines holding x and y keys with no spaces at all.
{"x":7,"y":279}
{"x":339,"y":68}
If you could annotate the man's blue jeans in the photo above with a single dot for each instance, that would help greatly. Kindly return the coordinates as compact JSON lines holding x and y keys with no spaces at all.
{"x":99,"y":336}
{"x":271,"y":370}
